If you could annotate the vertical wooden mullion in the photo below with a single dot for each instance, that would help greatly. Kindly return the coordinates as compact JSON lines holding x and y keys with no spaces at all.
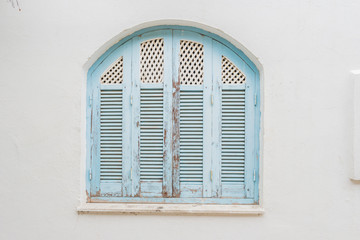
{"x":216,"y":122}
{"x":207,"y":111}
{"x":250,"y":103}
{"x":167,"y":123}
{"x":127,"y":120}
{"x":135,"y":105}
{"x":95,"y":138}
{"x":256,"y":138}
{"x":176,"y":115}
{"x":89,"y":138}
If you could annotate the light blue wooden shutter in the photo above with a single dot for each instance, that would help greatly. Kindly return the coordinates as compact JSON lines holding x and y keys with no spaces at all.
{"x":108,"y":123}
{"x":111,"y":111}
{"x":194,"y":53}
{"x":153,"y":97}
{"x":232,"y":128}
{"x":151,"y":117}
{"x":234,"y":144}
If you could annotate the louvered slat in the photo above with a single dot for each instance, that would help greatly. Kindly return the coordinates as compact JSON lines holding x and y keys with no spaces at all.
{"x":191,"y":136}
{"x":111,"y":135}
{"x":151,"y":134}
{"x":233,"y":136}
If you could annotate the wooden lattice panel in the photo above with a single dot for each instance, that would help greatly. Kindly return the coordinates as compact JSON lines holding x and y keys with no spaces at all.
{"x":230,"y":73}
{"x":114,"y":74}
{"x":191,"y":63}
{"x":152,"y":61}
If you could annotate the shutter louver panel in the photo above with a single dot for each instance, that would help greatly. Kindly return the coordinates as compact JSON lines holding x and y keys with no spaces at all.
{"x":191,"y":136}
{"x":111,"y":135}
{"x":151,"y":134}
{"x":233,"y":136}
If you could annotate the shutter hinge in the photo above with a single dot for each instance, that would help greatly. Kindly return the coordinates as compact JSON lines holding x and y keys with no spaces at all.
{"x":212,"y":99}
{"x":131,"y":99}
{"x":90,"y":174}
{"x":254,"y":179}
{"x":255,"y":99}
{"x":211,"y":175}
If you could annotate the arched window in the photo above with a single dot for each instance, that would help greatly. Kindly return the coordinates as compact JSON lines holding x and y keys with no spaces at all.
{"x":173,"y":117}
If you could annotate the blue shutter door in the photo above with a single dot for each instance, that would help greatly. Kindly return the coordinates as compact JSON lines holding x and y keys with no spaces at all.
{"x":236,"y":142}
{"x":192,"y":53}
{"x":152,"y":98}
{"x":108,"y":132}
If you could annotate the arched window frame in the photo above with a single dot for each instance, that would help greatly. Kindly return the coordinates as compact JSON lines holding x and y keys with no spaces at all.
{"x":130,"y":141}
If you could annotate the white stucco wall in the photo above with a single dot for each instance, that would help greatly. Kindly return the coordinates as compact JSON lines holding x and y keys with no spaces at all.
{"x":306,"y":50}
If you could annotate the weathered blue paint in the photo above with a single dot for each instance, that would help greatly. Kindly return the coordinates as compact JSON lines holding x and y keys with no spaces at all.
{"x":216,"y":121}
{"x":167,"y":147}
{"x":173,"y":200}
{"x":211,"y":190}
{"x":127,"y":120}
{"x":208,"y":108}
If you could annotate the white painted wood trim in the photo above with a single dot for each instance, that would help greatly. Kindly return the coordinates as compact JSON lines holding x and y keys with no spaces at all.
{"x":169,"y":209}
{"x":355,"y":169}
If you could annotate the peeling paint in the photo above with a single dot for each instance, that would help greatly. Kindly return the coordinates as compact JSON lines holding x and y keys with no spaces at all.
{"x":176,"y":138}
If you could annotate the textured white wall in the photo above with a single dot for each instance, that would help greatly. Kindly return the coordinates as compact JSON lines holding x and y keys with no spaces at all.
{"x":306,"y":48}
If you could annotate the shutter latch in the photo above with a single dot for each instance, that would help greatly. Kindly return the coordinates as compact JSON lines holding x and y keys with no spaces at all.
{"x":255,"y":99}
{"x":90,"y":174}
{"x":131,"y":99}
{"x":254,"y":176}
{"x":211,"y":175}
{"x":212,"y":99}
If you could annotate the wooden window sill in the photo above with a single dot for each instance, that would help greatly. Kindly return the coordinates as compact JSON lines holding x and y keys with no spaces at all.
{"x":169,"y":209}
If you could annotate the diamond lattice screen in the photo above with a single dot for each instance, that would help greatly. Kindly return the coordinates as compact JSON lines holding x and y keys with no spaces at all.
{"x":191,"y":63}
{"x":114,"y":74}
{"x":230,"y":73}
{"x":152,"y":61}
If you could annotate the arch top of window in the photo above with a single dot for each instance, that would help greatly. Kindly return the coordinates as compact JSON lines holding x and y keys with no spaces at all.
{"x":111,"y":55}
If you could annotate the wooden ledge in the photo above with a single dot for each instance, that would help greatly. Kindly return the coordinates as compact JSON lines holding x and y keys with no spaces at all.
{"x":169,"y":209}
